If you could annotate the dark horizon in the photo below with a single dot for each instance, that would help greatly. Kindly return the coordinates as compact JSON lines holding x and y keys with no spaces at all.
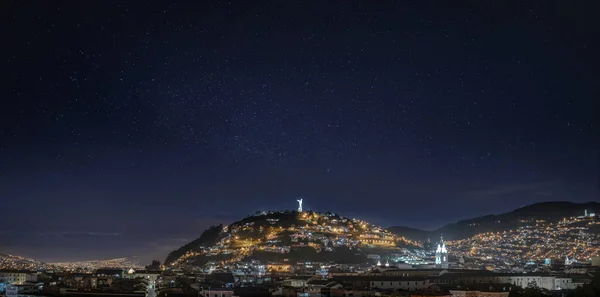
{"x":128,"y":128}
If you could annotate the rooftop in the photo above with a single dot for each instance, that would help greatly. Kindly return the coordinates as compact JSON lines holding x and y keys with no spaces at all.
{"x":15,"y":271}
{"x":483,"y":287}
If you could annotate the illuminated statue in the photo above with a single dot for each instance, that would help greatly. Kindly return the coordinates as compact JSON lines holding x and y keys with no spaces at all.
{"x":299,"y":205}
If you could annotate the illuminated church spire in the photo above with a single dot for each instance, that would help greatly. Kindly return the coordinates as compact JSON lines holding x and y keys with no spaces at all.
{"x":441,"y":254}
{"x":441,"y":247}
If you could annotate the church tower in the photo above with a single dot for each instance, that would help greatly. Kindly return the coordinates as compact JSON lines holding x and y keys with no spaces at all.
{"x":441,"y":255}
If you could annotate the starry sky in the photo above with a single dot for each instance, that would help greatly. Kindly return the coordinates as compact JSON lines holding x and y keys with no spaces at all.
{"x":127,"y":127}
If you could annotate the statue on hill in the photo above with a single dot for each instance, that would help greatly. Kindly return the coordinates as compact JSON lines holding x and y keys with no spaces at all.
{"x":299,"y":205}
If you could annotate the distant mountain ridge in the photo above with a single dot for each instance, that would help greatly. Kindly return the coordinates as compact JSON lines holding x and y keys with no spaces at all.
{"x":9,"y":261}
{"x":549,"y":211}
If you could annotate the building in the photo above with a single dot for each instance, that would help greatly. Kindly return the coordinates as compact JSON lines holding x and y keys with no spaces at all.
{"x":581,"y":280}
{"x":596,"y":261}
{"x":399,"y":283}
{"x":483,"y":290}
{"x":297,"y":281}
{"x":151,"y":275}
{"x":353,"y":281}
{"x":441,"y":255}
{"x":546,"y":281}
{"x":382,"y":282}
{"x":216,"y":292}
{"x":587,"y":214}
{"x":430,"y":294}
{"x":17,"y":277}
{"x":111,"y":272}
{"x":374,"y":257}
{"x":348,"y":292}
{"x":417,"y":280}
{"x":540,"y":280}
{"x":276,"y":267}
{"x":563,"y":283}
{"x":323,"y":283}
{"x":15,"y":290}
{"x":220,"y":279}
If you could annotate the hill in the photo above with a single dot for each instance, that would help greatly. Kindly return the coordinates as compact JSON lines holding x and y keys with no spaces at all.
{"x":208,"y":238}
{"x":412,"y":233}
{"x":547,"y":211}
{"x":8,"y":261}
{"x":288,"y":236}
{"x":576,"y":237}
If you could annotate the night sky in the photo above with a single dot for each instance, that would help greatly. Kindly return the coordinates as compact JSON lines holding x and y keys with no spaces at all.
{"x":128,"y":128}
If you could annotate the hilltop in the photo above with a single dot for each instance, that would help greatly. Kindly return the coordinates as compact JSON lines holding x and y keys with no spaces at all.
{"x":547,"y":211}
{"x":288,"y":236}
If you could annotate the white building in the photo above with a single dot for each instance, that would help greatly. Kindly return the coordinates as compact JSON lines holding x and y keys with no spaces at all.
{"x":542,"y":281}
{"x":296,"y":282}
{"x":15,"y":290}
{"x":563,"y":283}
{"x":17,"y":277}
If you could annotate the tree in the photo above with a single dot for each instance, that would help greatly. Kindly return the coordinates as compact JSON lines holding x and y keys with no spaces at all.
{"x":155,"y":265}
{"x":532,"y":285}
{"x":532,"y":290}
{"x":427,"y":245}
{"x":588,"y":290}
{"x":584,"y":291}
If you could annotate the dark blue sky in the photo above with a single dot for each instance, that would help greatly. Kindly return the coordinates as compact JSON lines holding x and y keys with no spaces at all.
{"x":128,"y":128}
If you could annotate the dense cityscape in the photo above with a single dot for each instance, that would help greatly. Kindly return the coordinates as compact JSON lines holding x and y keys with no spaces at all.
{"x":306,"y":253}
{"x":574,"y":239}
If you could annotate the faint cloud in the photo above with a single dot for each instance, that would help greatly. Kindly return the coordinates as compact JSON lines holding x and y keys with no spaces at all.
{"x":544,"y":193}
{"x":88,"y":234}
{"x":540,"y":189}
{"x":181,"y":239}
{"x":217,"y":216}
{"x":166,"y":247}
{"x":81,"y":234}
